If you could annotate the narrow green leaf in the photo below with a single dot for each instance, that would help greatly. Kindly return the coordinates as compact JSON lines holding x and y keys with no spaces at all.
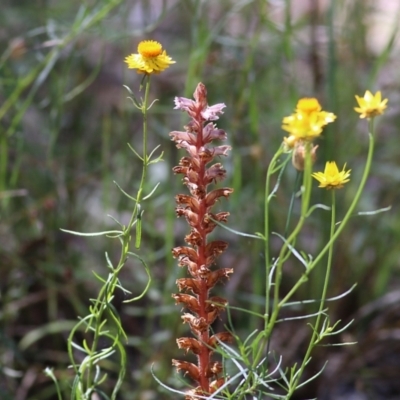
{"x":123,"y":192}
{"x":104,"y":233}
{"x":150,"y":194}
{"x":134,"y":151}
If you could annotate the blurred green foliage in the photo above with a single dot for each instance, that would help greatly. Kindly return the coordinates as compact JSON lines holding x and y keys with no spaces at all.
{"x":64,"y":127}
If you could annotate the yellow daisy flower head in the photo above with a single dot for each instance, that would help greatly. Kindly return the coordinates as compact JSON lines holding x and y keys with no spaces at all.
{"x":308,"y":105}
{"x":307,"y":126}
{"x":370,"y":105}
{"x":301,"y":127}
{"x":151,"y":58}
{"x":307,"y":122}
{"x":332,"y":178}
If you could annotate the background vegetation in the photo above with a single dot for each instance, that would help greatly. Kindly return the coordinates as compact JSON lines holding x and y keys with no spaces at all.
{"x":64,"y":127}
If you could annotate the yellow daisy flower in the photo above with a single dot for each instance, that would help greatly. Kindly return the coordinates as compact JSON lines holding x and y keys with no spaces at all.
{"x":307,"y":122}
{"x":308,"y":105}
{"x":152,"y":59}
{"x":370,"y":105}
{"x":332,"y":178}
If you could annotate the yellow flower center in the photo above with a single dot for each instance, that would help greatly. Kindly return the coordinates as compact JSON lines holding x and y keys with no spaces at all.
{"x":149,"y":48}
{"x":308,"y":105}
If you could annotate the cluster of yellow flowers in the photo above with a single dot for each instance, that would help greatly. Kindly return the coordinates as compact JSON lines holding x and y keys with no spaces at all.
{"x":307,"y":123}
{"x":303,"y":126}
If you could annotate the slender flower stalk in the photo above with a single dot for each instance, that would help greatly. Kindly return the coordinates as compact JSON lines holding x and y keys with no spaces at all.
{"x":200,"y":254}
{"x":316,"y":335}
{"x":144,"y":107}
{"x":268,"y":196}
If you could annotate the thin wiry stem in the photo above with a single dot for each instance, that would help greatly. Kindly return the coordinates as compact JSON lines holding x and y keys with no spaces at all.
{"x":315,"y":339}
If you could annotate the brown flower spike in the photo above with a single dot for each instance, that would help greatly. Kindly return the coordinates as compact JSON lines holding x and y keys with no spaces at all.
{"x":199,"y":257}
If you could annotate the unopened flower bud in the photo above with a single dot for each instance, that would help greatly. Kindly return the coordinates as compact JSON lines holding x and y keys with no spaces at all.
{"x":299,"y":154}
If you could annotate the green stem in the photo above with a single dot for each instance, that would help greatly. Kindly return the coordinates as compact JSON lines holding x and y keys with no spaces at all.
{"x":295,"y":189}
{"x":330,"y":256}
{"x":145,"y":165}
{"x":268,"y":196}
{"x":3,"y":160}
{"x":285,"y":250}
{"x":314,"y":338}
